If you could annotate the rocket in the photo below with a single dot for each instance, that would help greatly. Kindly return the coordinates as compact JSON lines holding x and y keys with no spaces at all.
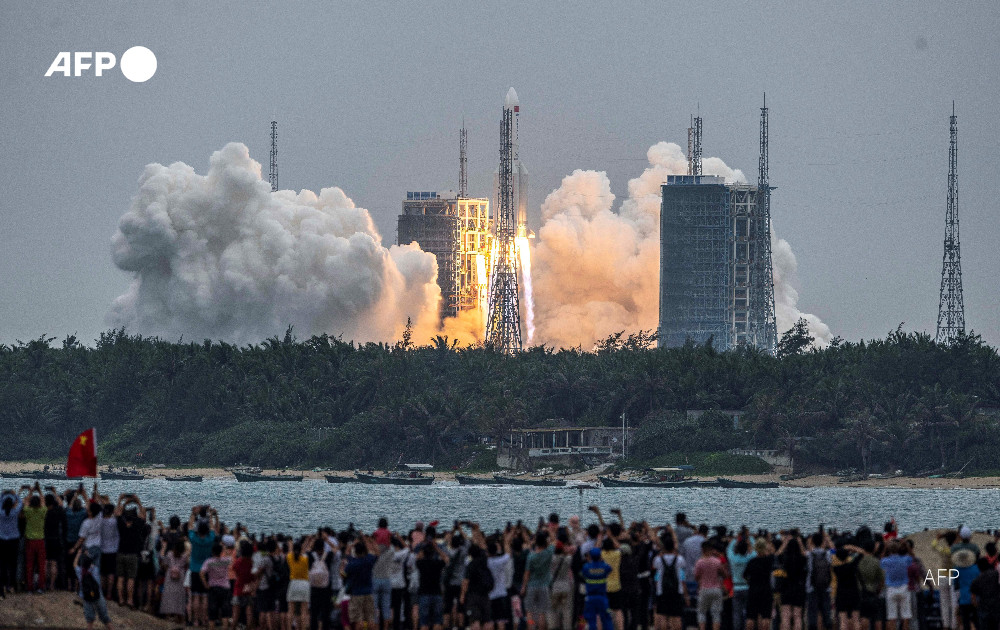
{"x":520,"y":174}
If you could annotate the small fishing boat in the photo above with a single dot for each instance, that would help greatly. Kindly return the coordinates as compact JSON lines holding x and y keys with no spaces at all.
{"x":245,"y":476}
{"x":526,"y":480}
{"x":184,"y":478}
{"x":57,"y":474}
{"x":611,"y":482}
{"x":340,"y":479}
{"x":466,"y":480}
{"x":732,"y":483}
{"x":122,"y":474}
{"x":396,"y":479}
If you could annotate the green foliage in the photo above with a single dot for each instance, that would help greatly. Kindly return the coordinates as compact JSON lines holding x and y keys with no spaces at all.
{"x":902,"y":402}
{"x":797,"y":339}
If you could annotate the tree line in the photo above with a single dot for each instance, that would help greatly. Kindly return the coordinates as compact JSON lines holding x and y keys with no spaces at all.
{"x":903,"y":402}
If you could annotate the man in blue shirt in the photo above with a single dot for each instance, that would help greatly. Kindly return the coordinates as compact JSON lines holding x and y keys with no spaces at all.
{"x":897,"y":594}
{"x":595,"y":576}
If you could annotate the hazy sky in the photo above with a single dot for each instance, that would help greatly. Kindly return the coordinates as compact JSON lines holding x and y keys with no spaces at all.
{"x":370,"y":95}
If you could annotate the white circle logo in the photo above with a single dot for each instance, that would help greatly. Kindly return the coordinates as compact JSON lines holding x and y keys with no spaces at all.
{"x":138,"y":64}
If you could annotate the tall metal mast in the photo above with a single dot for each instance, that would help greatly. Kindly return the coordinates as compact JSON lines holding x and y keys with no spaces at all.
{"x":463,"y":176}
{"x":762,"y":328}
{"x":690,"y":153}
{"x":951,"y":307}
{"x":695,"y":134}
{"x":503,"y":323}
{"x":273,"y":174}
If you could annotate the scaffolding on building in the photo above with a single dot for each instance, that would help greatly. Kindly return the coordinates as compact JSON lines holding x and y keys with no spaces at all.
{"x":429,"y":220}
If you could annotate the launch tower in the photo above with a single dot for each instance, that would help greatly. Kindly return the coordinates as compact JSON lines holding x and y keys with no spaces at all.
{"x":951,"y":307}
{"x":503,"y":322}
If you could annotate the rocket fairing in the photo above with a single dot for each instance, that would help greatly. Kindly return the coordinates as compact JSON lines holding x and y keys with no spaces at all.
{"x":519,"y":172}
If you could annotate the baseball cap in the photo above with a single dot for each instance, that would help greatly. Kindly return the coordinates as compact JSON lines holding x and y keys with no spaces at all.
{"x":228,"y":540}
{"x":595,"y":553}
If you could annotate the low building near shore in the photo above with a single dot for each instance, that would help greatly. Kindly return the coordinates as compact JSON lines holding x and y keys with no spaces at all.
{"x":554,"y":446}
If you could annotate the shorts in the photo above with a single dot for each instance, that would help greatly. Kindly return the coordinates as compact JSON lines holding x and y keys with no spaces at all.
{"x":109,"y":562}
{"x":794,"y":596}
{"x":616,"y":601}
{"x":263,"y":600}
{"x":897,"y":603}
{"x":870,"y":606}
{"x":281,"y":601}
{"x":670,"y":605}
{"x":759,"y":605}
{"x":218,"y":603}
{"x":500,"y":609}
{"x":93,"y":610}
{"x":298,"y":591}
{"x":477,"y":608}
{"x":127,"y":565}
{"x":452,"y":594}
{"x":847,"y":602}
{"x":431,"y":609}
{"x":53,"y":549}
{"x":361,"y":609}
{"x":710,"y":601}
{"x":240,"y":601}
{"x":197,"y":586}
{"x":382,"y":597}
{"x":536,"y":600}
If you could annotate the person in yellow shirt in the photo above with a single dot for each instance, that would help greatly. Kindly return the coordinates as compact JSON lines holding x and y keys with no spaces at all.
{"x":298,"y":585}
{"x":34,"y":538}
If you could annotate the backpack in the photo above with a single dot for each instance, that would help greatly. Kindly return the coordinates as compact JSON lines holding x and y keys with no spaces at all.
{"x":820,"y":576}
{"x":91,"y":589}
{"x":281,"y":577}
{"x":669,"y":584}
{"x":319,"y":573}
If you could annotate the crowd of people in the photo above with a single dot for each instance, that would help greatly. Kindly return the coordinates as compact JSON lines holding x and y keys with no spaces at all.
{"x":201,"y":571}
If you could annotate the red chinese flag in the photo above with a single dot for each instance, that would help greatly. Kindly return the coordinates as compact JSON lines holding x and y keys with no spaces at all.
{"x":82,"y":460}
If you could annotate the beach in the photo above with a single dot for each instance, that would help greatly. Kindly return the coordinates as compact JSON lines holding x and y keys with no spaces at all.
{"x":809,"y":481}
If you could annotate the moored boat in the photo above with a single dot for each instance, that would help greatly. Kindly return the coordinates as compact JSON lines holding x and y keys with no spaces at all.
{"x":466,"y":480}
{"x":530,"y":481}
{"x":732,"y":483}
{"x":611,"y":482}
{"x":245,"y":476}
{"x":397,"y":479}
{"x":184,"y":478}
{"x":340,"y":479}
{"x":122,"y":475}
{"x":57,"y":474}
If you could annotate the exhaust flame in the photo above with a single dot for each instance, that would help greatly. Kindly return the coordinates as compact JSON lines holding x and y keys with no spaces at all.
{"x":524,"y":257}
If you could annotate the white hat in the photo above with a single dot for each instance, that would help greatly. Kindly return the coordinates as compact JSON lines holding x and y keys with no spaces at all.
{"x":228,"y":540}
{"x":965,"y":533}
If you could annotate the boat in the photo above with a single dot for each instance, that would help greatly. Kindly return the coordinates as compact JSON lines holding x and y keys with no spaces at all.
{"x":246,"y":476}
{"x":544,"y":482}
{"x":466,"y":480}
{"x":396,"y":478}
{"x":340,"y":479}
{"x":611,"y":482}
{"x":122,"y":474}
{"x":57,"y":474}
{"x":732,"y":483}
{"x":184,"y":478}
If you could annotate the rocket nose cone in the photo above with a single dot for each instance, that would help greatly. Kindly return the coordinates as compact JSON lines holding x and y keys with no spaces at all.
{"x":511,"y":99}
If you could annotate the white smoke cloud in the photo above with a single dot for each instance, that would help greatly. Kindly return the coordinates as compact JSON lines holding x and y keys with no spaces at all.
{"x":220,"y":256}
{"x":786,"y":297}
{"x":596,"y":271}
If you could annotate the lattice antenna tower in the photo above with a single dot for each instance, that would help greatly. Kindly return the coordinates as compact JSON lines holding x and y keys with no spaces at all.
{"x":503,"y":322}
{"x":272,"y":175}
{"x":690,"y":152}
{"x":463,"y":171}
{"x":763,"y":331}
{"x":694,"y":150}
{"x":951,"y":307}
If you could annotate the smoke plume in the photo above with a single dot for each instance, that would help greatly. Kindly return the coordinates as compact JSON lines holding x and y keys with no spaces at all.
{"x":220,"y":256}
{"x":596,"y":271}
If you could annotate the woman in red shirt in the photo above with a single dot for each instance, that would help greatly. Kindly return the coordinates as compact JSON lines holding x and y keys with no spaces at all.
{"x":243,"y":585}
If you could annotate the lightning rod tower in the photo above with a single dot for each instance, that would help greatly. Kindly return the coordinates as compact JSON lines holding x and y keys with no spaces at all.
{"x":503,"y":322}
{"x":463,"y":174}
{"x":951,"y":307}
{"x":694,"y":146}
{"x":762,"y":327}
{"x":273,"y":174}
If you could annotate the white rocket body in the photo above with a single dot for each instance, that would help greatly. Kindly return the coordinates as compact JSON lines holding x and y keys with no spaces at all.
{"x":519,"y":172}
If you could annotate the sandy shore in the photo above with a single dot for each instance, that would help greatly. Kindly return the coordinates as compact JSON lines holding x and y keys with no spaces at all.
{"x":811,"y":481}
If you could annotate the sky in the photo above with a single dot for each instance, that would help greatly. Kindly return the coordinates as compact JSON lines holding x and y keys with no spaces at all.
{"x":370,"y":95}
